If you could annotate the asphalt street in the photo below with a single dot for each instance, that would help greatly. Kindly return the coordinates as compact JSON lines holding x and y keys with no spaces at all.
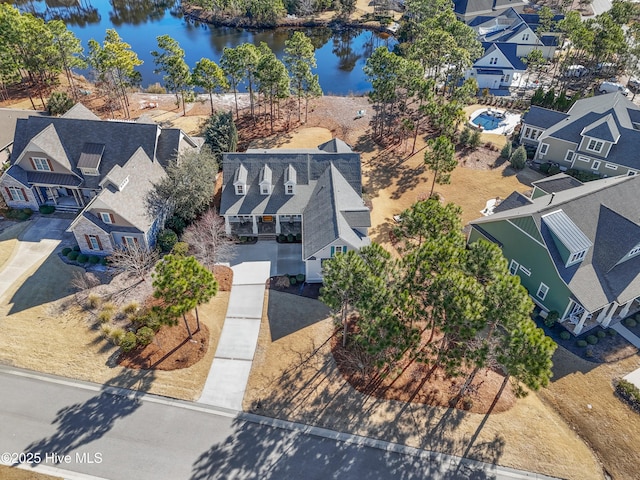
{"x":50,"y":422}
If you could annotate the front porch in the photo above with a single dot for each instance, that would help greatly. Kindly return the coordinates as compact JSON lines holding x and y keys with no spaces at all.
{"x":577,"y":320}
{"x":263,"y":225}
{"x":65,"y":199}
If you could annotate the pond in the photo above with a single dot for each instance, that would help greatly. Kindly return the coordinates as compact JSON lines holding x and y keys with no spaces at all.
{"x":340,"y":54}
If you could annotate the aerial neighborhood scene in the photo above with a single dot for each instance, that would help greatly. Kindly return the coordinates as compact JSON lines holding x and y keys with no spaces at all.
{"x":282,"y":239}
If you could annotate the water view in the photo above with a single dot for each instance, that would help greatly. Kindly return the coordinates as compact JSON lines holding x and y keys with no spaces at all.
{"x":340,"y":54}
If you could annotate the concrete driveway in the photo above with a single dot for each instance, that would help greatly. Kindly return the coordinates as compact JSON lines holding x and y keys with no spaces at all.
{"x":35,"y":244}
{"x":283,"y":257}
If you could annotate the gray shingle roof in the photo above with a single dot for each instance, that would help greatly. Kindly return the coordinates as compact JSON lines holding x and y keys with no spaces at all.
{"x":557,"y":183}
{"x":90,"y":155}
{"x":8,"y":120}
{"x":607,"y":212}
{"x":542,"y":117}
{"x":516,"y":199}
{"x":603,"y":129}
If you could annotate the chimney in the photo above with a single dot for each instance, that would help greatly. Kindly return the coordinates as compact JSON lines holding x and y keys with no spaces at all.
{"x":551,"y":199}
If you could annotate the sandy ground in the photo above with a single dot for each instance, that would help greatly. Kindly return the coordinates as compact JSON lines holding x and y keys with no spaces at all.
{"x":43,"y":328}
{"x":8,"y":473}
{"x":294,"y":377}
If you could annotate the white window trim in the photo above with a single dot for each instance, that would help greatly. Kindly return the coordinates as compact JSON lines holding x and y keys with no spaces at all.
{"x":41,"y":164}
{"x":582,"y":158}
{"x":289,"y":189}
{"x":569,"y":156}
{"x":631,"y":173}
{"x":513,"y":267}
{"x":338,"y":249}
{"x":106,"y":217}
{"x":240,"y":190}
{"x":95,"y":245}
{"x":611,"y":166}
{"x":542,"y":292}
{"x":576,"y":257}
{"x":596,"y":150}
{"x":544,"y":148}
{"x":16,"y":194}
{"x":126,"y":239}
{"x":525,"y":270}
{"x":264,"y":190}
{"x":595,"y":165}
{"x":634,"y":251}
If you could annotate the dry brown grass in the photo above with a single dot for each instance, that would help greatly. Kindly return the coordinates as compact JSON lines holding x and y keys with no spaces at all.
{"x":44,"y":329}
{"x":9,"y":473}
{"x":294,"y":377}
{"x":9,"y":241}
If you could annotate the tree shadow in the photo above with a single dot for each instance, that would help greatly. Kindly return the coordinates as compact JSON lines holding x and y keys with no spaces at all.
{"x":82,"y":423}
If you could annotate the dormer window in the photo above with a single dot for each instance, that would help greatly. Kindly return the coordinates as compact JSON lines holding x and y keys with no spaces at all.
{"x":240,"y":180}
{"x":595,"y":145}
{"x":634,"y":251}
{"x":106,"y":217}
{"x":571,"y":242}
{"x":265,"y":180}
{"x":41,"y":164}
{"x":290,"y":178}
{"x":576,"y":257}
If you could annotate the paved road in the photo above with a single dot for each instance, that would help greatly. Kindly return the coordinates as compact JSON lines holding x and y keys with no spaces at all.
{"x":118,"y":434}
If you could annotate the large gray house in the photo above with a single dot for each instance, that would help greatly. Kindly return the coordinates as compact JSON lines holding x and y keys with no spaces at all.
{"x":100,"y":169}
{"x":600,"y":134}
{"x":314,"y":193}
{"x":575,"y":247}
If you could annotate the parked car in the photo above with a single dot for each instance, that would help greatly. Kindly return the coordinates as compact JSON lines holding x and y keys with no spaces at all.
{"x":606,"y":68}
{"x":576,"y":71}
{"x":634,"y":84}
{"x":610,"y":87}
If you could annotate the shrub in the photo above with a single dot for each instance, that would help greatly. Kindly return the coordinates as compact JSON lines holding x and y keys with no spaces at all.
{"x":175,"y":223}
{"x":130,"y":308}
{"x":105,"y":316}
{"x":103,"y":261}
{"x":152,"y":320}
{"x":565,"y":335}
{"x":630,"y":322}
{"x":300,"y":277}
{"x":637,"y":317}
{"x":73,"y":255}
{"x":94,"y":259}
{"x":93,"y":301}
{"x":519,"y":158}
{"x":167,"y":239}
{"x":180,"y":248}
{"x":115,"y":335}
{"x":128,"y":342}
{"x":467,"y":404}
{"x":145,"y":336}
{"x":105,"y":330}
{"x":82,"y":258}
{"x":59,"y":103}
{"x":282,"y":238}
{"x":292,"y":281}
{"x":589,"y":353}
{"x":47,"y":209}
{"x":601,"y":333}
{"x":551,"y":319}
{"x":156,"y":88}
{"x":298,"y":237}
{"x":544,"y":168}
{"x":554,"y":170}
{"x":66,"y":251}
{"x":581,"y":343}
{"x":507,"y":150}
{"x":592,"y":339}
{"x":612,"y":332}
{"x":76,"y":248}
{"x":290,"y":238}
{"x":582,"y":175}
{"x":629,"y":393}
{"x":465,"y":136}
{"x":474,"y":141}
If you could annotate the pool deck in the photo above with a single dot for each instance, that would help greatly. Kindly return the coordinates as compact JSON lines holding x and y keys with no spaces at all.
{"x":506,"y":124}
{"x":497,"y":139}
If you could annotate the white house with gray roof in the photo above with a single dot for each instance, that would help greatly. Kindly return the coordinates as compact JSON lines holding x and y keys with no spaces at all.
{"x":599,"y":134}
{"x":575,"y":247}
{"x":314,"y":193}
{"x":101,"y":169}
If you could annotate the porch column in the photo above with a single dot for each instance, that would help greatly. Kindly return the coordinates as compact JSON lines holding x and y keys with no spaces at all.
{"x":607,"y":319}
{"x":603,"y":313}
{"x":255,"y":225}
{"x":626,"y":308}
{"x":278,"y":231}
{"x":227,"y":225}
{"x":566,"y":311}
{"x":53,"y":197}
{"x":580,"y":325}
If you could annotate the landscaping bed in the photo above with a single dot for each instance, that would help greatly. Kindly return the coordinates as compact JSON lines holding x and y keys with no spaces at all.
{"x":283,"y":283}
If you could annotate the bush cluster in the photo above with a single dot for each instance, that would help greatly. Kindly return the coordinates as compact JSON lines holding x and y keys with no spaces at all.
{"x":601,"y":333}
{"x":289,"y":238}
{"x":565,"y":335}
{"x":167,"y":239}
{"x":20,"y":214}
{"x":629,"y":393}
{"x":592,"y":339}
{"x":581,"y":343}
{"x":128,"y":342}
{"x":630,"y":322}
{"x":47,"y":209}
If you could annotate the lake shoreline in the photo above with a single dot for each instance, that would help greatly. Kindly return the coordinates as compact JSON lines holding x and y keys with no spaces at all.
{"x":206,"y":16}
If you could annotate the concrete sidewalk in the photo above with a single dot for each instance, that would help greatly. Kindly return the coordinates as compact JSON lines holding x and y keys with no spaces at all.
{"x":633,"y":377}
{"x":227,"y":380}
{"x":35,"y":244}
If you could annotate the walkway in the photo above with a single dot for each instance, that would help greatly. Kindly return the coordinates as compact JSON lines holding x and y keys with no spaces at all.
{"x":633,"y":377}
{"x":35,"y":244}
{"x":231,"y":365}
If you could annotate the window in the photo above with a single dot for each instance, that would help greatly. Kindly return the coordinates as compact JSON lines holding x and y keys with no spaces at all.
{"x":338,"y":249}
{"x":544,"y":148}
{"x":611,"y":166}
{"x":631,"y":173}
{"x":596,"y":165}
{"x":493,"y":60}
{"x":531,"y":133}
{"x":264,"y":190}
{"x":41,"y":164}
{"x":93,"y":241}
{"x":525,"y":37}
{"x":595,"y":145}
{"x":513,"y":267}
{"x":239,"y":189}
{"x":130,"y":241}
{"x":569,"y":156}
{"x":576,"y":257}
{"x":16,"y":194}
{"x":289,"y":189}
{"x":542,"y":291}
{"x":583,"y":159}
{"x":106,"y":217}
{"x":634,"y":251}
{"x":526,"y":271}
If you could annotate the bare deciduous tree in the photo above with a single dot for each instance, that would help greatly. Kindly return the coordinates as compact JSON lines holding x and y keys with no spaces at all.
{"x":135,"y":259}
{"x":208,"y":240}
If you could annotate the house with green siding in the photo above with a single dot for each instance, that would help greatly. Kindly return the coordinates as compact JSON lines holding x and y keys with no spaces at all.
{"x":575,"y":247}
{"x":599,"y":134}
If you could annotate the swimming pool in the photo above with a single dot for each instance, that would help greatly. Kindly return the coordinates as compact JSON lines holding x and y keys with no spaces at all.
{"x":488,"y":121}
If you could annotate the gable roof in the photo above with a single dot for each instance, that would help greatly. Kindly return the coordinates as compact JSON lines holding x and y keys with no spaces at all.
{"x":607,"y":212}
{"x":90,"y":155}
{"x":609,"y":117}
{"x":509,"y":50}
{"x":557,"y":183}
{"x":542,"y":117}
{"x":80,"y":112}
{"x":8,"y":120}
